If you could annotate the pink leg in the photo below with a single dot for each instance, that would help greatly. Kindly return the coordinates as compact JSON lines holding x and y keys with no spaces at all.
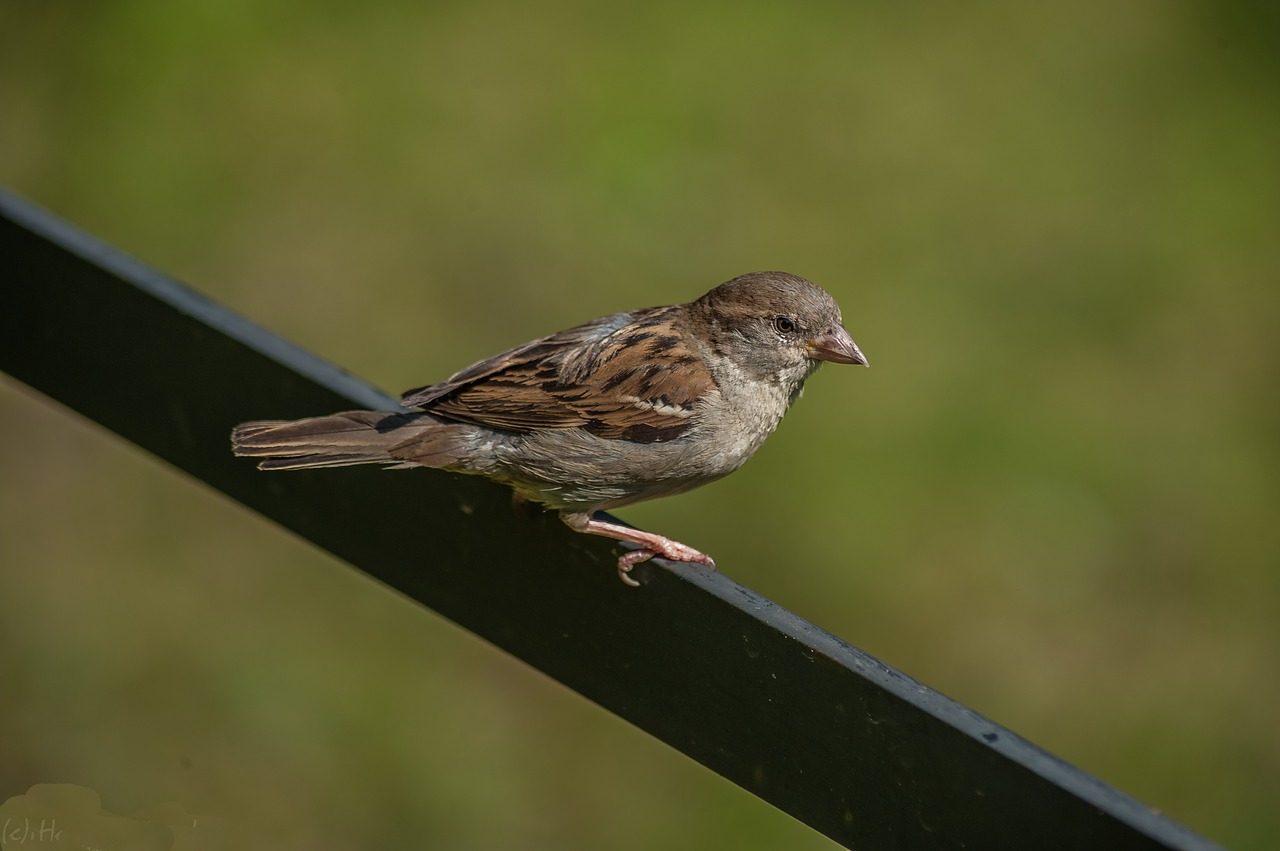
{"x":653,"y":545}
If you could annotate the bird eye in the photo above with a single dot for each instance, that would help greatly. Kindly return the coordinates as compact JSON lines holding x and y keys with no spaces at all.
{"x":784,"y":324}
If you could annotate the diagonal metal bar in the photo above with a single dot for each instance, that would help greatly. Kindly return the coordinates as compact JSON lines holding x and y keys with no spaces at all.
{"x":836,"y":738}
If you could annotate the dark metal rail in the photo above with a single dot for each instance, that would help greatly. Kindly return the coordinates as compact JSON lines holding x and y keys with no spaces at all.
{"x":812,"y":725}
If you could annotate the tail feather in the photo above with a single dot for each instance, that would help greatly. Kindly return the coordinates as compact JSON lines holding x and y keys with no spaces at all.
{"x":340,"y":440}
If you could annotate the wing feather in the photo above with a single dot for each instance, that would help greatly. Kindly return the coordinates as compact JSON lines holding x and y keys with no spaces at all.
{"x":631,"y":376}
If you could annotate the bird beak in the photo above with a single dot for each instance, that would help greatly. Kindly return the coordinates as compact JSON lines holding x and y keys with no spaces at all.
{"x":837,"y":346}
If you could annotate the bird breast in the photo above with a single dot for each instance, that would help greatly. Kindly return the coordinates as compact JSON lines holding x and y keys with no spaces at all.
{"x":746,"y":409}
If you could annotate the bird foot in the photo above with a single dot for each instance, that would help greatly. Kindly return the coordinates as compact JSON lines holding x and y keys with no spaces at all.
{"x":650,"y":544}
{"x":672,"y":550}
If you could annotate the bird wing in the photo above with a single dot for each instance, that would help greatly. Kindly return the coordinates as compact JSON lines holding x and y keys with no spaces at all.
{"x":631,"y":376}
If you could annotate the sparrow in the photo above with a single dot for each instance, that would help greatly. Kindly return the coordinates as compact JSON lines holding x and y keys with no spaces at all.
{"x":624,"y":408}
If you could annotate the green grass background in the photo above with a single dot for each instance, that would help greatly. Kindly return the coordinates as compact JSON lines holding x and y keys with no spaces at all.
{"x":1055,"y":497}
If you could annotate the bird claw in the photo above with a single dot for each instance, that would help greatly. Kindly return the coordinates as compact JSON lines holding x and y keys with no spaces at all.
{"x":650,"y":545}
{"x":671,"y":550}
{"x":630,"y":560}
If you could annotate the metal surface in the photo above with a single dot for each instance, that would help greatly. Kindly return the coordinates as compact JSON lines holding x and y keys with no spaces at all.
{"x":832,"y":736}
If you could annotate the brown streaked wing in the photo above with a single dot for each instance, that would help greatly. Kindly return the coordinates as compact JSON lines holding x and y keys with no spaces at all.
{"x":630,"y":376}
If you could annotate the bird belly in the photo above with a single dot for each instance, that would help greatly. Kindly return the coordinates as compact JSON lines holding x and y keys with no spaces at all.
{"x":572,"y":468}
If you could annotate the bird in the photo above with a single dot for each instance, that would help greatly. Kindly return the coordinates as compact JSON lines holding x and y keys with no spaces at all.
{"x":630,"y":407}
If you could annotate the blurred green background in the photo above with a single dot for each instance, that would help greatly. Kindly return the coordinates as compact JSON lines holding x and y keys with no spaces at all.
{"x":1055,"y":230}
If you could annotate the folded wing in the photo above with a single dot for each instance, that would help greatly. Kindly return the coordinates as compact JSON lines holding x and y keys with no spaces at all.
{"x":631,"y":376}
